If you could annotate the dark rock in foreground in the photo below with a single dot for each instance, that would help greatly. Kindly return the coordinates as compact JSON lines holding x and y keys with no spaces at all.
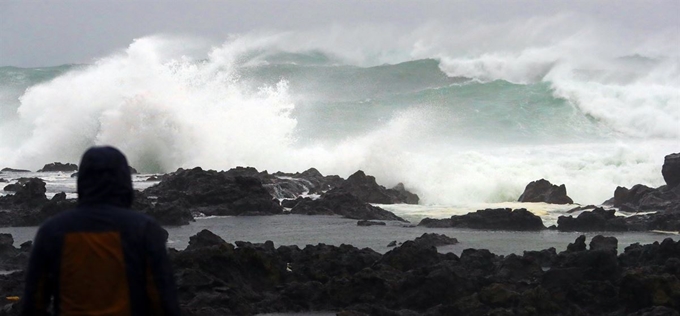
{"x":544,"y":191}
{"x":59,"y":167}
{"x":340,"y":202}
{"x":492,"y":219}
{"x":215,"y":277}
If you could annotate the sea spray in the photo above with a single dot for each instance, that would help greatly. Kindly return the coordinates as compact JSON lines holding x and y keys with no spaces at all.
{"x":457,"y":126}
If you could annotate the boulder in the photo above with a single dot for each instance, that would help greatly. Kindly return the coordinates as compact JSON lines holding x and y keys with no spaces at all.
{"x":59,"y":167}
{"x":671,"y":170}
{"x":133,"y":170}
{"x":600,"y":242}
{"x":544,"y":191}
{"x":434,"y":240}
{"x":367,"y":190}
{"x":595,"y":220}
{"x":496,"y":219}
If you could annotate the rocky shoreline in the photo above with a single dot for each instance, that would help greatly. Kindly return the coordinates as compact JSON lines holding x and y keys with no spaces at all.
{"x":215,"y":277}
{"x":182,"y":195}
{"x":219,"y":278}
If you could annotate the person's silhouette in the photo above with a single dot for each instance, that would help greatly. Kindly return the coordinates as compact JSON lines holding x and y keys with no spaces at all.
{"x":101,"y":258}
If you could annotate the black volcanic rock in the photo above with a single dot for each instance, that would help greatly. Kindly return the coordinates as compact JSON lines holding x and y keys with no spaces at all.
{"x":544,"y":191}
{"x":435,"y":240}
{"x":500,"y":219}
{"x":340,"y":202}
{"x":213,"y":277}
{"x":671,"y":170}
{"x":367,"y":190}
{"x":215,"y":193}
{"x":595,"y":220}
{"x":605,"y":220}
{"x":59,"y":167}
{"x":404,"y":195}
{"x":600,"y":242}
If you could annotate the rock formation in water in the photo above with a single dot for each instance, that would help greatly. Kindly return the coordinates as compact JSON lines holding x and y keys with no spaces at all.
{"x":497,"y":219}
{"x":340,"y":202}
{"x":59,"y":167}
{"x":544,"y":191}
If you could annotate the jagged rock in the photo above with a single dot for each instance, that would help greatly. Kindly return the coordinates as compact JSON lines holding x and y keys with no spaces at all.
{"x":370,"y":223}
{"x":410,"y":255}
{"x":392,"y":243}
{"x":205,"y":238}
{"x":502,"y":219}
{"x":600,"y":242}
{"x":340,"y":202}
{"x":404,"y":195}
{"x":588,"y":221}
{"x":215,"y":193}
{"x":311,"y":181}
{"x":671,"y":170}
{"x":435,"y":240}
{"x":59,"y":167}
{"x":544,"y":191}
{"x":367,"y":190}
{"x":133,"y":170}
{"x":578,"y":245}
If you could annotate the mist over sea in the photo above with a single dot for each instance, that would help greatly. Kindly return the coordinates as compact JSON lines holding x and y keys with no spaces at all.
{"x":460,"y":115}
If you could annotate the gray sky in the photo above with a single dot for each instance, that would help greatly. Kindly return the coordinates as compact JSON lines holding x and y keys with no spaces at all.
{"x":45,"y":33}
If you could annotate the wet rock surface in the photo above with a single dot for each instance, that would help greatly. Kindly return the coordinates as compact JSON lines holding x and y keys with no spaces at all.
{"x":366,"y":189}
{"x":601,"y":219}
{"x":496,"y":219}
{"x":215,"y":277}
{"x":212,"y":193}
{"x":544,"y":191}
{"x":340,"y":202}
{"x":29,"y":206}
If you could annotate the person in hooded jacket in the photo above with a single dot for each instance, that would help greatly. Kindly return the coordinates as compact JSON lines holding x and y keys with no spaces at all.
{"x":100,"y":258}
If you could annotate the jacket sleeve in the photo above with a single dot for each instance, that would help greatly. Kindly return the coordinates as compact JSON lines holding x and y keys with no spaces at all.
{"x":160,"y":287}
{"x":39,"y":281}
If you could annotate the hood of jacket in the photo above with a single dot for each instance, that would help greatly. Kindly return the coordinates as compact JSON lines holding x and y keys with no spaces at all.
{"x":104,"y":178}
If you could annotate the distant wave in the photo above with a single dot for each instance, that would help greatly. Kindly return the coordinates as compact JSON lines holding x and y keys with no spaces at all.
{"x":454,"y":125}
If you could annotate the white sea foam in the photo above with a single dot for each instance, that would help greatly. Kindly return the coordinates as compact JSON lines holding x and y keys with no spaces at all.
{"x":167,"y":111}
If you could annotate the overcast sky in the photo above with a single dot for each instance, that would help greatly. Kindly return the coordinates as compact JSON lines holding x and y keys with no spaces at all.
{"x":45,"y":33}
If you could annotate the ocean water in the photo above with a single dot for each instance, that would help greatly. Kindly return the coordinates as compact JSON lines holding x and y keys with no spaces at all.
{"x":459,"y":123}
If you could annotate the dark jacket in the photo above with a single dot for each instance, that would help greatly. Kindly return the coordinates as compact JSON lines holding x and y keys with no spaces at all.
{"x":101,"y":258}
